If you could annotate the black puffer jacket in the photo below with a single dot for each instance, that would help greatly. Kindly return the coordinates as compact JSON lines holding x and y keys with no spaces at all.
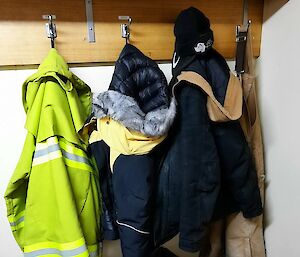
{"x":138,"y":76}
{"x":207,"y":172}
{"x":138,"y":95}
{"x":138,"y":99}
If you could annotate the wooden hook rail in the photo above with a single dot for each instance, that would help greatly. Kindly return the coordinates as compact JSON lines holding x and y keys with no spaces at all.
{"x":25,"y":43}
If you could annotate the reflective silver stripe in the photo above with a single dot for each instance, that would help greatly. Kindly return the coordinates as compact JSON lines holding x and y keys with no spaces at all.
{"x":74,"y":157}
{"x":53,"y":148}
{"x":133,"y":228}
{"x":17,"y":222}
{"x":50,"y":149}
{"x":63,"y":253}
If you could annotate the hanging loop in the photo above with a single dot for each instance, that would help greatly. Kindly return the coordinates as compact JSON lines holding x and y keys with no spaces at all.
{"x":50,"y":28}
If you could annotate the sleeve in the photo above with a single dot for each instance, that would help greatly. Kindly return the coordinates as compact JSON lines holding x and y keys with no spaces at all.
{"x":199,"y":163}
{"x":238,"y":169}
{"x":100,"y":152}
{"x":16,"y":192}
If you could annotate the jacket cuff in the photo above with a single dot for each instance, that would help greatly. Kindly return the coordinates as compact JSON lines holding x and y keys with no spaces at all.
{"x":191,"y":246}
{"x":253,"y":213}
{"x":253,"y":210}
{"x":110,"y":235}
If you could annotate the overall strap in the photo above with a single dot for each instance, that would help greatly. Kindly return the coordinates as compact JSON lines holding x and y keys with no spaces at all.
{"x":232,"y":109}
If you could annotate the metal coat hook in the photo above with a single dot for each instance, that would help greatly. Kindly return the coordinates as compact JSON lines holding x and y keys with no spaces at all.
{"x":238,"y":31}
{"x":241,"y":35}
{"x":50,"y":28}
{"x":125,"y":27}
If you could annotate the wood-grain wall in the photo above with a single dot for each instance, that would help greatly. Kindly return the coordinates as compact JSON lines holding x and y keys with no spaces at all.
{"x":23,"y":39}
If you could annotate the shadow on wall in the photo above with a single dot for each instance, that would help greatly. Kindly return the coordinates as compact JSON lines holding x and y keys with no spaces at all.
{"x":272,"y":6}
{"x":268,"y":138}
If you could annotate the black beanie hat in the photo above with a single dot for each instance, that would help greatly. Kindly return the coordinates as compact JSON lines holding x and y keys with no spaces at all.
{"x":192,"y":32}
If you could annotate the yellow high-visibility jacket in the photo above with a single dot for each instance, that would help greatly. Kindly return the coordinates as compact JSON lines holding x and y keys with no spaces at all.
{"x":52,"y":199}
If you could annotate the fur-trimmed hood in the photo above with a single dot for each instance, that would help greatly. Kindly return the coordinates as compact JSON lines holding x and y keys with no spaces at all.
{"x":138,"y":95}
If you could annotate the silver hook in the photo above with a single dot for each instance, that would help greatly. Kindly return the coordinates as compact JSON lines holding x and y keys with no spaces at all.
{"x":241,"y":34}
{"x":239,"y":29}
{"x":125,"y":27}
{"x":50,"y":28}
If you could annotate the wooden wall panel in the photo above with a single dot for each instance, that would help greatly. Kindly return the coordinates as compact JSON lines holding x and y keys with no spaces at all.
{"x":255,"y":13}
{"x":271,"y":7}
{"x":23,"y":39}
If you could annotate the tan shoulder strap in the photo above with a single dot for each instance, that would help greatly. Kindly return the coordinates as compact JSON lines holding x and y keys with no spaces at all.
{"x":233,"y":104}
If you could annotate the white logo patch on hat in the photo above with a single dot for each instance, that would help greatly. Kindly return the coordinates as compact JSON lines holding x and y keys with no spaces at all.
{"x":200,"y":48}
{"x":174,"y":62}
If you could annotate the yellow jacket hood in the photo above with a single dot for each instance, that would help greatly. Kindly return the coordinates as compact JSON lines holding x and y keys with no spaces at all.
{"x":122,"y":140}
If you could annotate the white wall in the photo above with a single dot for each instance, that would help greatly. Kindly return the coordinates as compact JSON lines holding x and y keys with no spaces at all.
{"x":279,"y":91}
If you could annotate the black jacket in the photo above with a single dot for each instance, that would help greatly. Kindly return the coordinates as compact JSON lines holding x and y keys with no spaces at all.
{"x":207,"y":170}
{"x":139,"y":100}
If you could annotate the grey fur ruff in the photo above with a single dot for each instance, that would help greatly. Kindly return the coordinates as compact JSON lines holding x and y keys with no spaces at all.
{"x":125,"y":109}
